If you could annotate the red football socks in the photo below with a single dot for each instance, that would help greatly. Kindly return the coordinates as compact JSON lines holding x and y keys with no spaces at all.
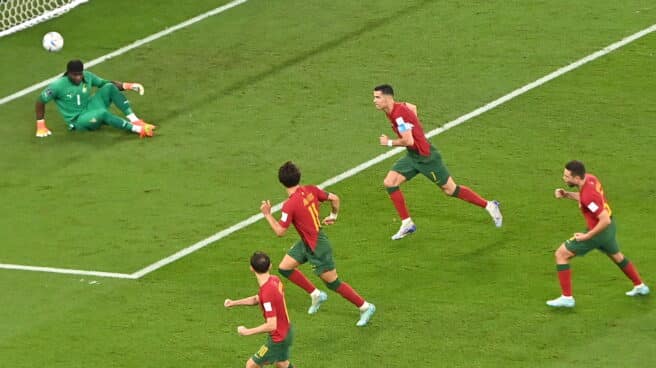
{"x":470,"y":196}
{"x":349,"y":294}
{"x":631,"y":272}
{"x":298,"y":278}
{"x":565,"y":278}
{"x":399,"y":203}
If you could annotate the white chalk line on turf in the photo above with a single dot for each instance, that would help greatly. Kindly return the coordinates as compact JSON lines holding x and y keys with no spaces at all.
{"x":127,"y":48}
{"x":365,"y":165}
{"x":89,"y":64}
{"x":65,"y":271}
{"x":353,"y":171}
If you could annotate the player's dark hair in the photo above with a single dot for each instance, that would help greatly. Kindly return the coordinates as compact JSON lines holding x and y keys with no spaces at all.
{"x":386,"y":89}
{"x":289,"y":174}
{"x":74,"y":66}
{"x":260,"y":262}
{"x":576,"y":168}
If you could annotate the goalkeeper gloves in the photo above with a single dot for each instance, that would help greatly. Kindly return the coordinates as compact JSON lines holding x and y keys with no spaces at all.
{"x":41,"y":129}
{"x":134,"y":87}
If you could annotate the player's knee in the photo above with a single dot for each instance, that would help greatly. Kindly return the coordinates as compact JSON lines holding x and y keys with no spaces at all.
{"x":250,"y":363}
{"x":109,"y":87}
{"x":561,"y":253}
{"x":451,"y":190}
{"x":389,"y":183}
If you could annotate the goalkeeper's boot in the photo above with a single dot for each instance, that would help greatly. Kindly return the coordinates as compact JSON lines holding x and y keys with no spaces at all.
{"x":641,"y":289}
{"x":405,"y":230}
{"x":493,"y":209}
{"x":562,"y":302}
{"x":366,"y":315}
{"x":316,"y":302}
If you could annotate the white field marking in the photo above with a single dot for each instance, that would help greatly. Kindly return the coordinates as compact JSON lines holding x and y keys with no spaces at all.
{"x":363,"y":166}
{"x":89,"y":64}
{"x":347,"y":174}
{"x":127,"y":48}
{"x":65,"y":271}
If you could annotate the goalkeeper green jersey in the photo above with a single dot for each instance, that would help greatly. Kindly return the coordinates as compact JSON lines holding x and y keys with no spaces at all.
{"x":71,"y":99}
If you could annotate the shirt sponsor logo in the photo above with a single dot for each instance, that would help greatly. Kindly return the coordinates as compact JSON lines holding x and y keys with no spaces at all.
{"x":267,"y":307}
{"x":593,"y":207}
{"x":283,"y":218}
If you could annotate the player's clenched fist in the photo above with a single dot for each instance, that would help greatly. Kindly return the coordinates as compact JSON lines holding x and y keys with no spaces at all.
{"x":559,"y":193}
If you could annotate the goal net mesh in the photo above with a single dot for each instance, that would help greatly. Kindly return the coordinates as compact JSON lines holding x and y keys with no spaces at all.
{"x":16,"y":15}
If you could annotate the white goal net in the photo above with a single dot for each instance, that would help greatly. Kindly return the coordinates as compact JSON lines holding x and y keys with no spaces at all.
{"x":16,"y":15}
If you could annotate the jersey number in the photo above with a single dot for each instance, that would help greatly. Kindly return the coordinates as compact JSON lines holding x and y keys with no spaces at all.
{"x":78,"y":100}
{"x":314,"y":213}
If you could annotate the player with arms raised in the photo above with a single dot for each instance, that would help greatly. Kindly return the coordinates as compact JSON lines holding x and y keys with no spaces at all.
{"x":302,"y":210}
{"x":271,"y":298}
{"x":83,"y":110}
{"x":421,"y":158}
{"x":600,"y":233}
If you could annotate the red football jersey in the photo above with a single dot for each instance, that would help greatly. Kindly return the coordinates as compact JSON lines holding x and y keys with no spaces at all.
{"x":302,"y":210}
{"x":592,"y":200}
{"x":403,"y":119}
{"x":272,"y":302}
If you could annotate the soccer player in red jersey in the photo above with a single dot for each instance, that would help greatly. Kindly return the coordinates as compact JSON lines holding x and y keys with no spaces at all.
{"x":302,"y":210}
{"x":600,"y":233}
{"x":421,"y":158}
{"x":271,"y":299}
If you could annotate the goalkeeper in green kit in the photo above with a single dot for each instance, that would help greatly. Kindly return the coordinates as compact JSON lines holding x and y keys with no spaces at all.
{"x":85,"y":111}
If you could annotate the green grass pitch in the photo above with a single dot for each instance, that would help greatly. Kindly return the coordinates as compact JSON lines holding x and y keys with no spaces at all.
{"x":239,"y":93}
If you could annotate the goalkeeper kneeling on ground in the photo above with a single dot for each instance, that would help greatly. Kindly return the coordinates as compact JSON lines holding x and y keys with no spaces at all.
{"x":83,"y":111}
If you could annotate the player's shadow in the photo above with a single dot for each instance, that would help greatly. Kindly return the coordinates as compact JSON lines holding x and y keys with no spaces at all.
{"x":274,"y":69}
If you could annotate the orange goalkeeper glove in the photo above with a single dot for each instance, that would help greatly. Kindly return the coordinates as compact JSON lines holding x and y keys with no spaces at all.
{"x":41,"y":129}
{"x":134,"y":87}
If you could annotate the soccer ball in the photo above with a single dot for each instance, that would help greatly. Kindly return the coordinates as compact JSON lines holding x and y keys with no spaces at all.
{"x":53,"y":41}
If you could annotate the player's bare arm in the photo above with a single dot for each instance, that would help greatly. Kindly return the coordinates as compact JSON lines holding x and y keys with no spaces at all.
{"x":40,"y":110}
{"x":251,"y":300}
{"x":41,"y":128}
{"x":412,"y":107}
{"x":406,"y":140}
{"x":562,"y":193}
{"x":265,"y":208}
{"x":604,"y":221}
{"x":268,"y":326}
{"x":334,"y":209}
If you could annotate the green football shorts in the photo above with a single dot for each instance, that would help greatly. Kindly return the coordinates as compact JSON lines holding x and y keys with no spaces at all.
{"x":431,"y":167}
{"x":272,"y":352}
{"x":95,"y":114}
{"x":605,"y":241}
{"x":322,"y":257}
